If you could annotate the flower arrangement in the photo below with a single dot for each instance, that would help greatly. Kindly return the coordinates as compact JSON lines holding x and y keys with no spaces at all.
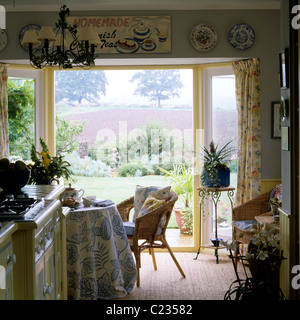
{"x":46,"y":168}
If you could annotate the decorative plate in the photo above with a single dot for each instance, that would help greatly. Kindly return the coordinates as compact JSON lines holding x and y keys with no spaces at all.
{"x":129,"y":45}
{"x":241,"y":36}
{"x":3,"y":39}
{"x":203,"y":37}
{"x":21,"y":35}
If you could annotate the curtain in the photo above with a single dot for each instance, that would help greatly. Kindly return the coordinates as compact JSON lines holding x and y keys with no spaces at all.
{"x":247,"y":86}
{"x":4,"y":137}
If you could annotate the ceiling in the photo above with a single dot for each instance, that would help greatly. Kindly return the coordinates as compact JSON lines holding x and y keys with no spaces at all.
{"x":48,"y":5}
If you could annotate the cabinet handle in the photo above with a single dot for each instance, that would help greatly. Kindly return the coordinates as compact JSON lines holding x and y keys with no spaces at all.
{"x":11,"y":258}
{"x":48,"y":289}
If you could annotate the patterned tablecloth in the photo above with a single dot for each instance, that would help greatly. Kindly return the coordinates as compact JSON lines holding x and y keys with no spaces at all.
{"x":100,"y":264}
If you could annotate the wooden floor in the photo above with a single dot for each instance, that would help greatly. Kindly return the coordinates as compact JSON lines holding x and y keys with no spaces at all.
{"x":177,"y":239}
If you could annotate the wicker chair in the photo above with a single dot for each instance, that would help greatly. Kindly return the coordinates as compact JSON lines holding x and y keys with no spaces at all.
{"x":247,"y":212}
{"x":148,"y":228}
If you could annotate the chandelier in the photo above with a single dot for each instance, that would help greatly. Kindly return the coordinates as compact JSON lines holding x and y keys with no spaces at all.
{"x":65,"y":46}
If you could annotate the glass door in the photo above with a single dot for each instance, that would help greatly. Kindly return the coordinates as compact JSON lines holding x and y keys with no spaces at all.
{"x":221,"y":127}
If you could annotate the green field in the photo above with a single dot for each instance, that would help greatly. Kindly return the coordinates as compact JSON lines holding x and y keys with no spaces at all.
{"x":119,"y":189}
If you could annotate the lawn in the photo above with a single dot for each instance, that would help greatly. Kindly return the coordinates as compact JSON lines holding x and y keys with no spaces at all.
{"x":119,"y":189}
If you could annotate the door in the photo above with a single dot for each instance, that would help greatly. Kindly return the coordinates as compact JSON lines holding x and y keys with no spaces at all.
{"x":220,"y":126}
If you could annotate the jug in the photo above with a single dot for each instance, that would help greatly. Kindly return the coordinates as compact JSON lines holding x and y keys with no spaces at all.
{"x":72,"y":192}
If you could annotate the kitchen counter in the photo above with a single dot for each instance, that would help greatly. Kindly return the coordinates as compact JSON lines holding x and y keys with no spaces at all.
{"x":37,"y":245}
{"x":47,"y":192}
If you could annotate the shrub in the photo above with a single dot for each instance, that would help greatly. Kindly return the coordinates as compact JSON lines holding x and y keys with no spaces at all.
{"x":87,"y":166}
{"x":133,"y":169}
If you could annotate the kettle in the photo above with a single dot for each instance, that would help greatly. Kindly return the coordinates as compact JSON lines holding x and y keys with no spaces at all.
{"x":72,"y":193}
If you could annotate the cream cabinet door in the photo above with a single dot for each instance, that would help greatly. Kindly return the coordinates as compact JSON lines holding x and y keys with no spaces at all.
{"x":7,"y":260}
{"x":45,"y":276}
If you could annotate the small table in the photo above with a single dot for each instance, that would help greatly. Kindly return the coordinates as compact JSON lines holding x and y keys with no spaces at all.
{"x":215,"y":194}
{"x":100,"y":264}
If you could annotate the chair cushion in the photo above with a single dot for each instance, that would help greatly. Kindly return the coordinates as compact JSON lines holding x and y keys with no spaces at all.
{"x":129,"y":228}
{"x":150,"y":204}
{"x":141,"y":194}
{"x":245,"y":225}
{"x":276,"y":194}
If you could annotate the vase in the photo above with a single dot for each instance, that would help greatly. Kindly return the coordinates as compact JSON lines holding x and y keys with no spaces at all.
{"x":178,"y":217}
{"x":222,"y":178}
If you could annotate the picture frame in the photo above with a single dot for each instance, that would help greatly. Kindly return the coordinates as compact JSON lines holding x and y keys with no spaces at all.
{"x":276,"y":120}
{"x":283,"y":65}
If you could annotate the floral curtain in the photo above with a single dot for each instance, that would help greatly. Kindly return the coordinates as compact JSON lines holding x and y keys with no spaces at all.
{"x":4,"y":137}
{"x":247,"y":85}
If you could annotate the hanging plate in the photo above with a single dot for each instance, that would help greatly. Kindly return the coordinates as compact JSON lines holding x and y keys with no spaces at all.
{"x":203,"y":37}
{"x":3,"y":39}
{"x":241,"y":36}
{"x":34,"y":27}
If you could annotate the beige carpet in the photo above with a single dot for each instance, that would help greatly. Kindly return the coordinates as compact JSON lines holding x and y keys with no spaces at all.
{"x":205,"y":280}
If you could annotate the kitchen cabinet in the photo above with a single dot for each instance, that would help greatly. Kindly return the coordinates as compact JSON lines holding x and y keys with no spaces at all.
{"x":38,"y":248}
{"x":7,"y":260}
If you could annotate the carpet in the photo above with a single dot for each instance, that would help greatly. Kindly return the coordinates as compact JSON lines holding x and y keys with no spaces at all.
{"x":205,"y":280}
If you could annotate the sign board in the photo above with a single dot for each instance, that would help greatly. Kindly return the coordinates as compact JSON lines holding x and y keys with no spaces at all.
{"x":129,"y":34}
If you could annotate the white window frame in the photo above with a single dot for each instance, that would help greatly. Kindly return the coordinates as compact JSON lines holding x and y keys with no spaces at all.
{"x":37,"y":75}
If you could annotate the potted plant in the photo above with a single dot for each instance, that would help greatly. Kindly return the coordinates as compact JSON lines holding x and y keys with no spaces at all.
{"x":264,"y":259}
{"x":45,"y":168}
{"x":216,"y":172}
{"x":181,"y":180}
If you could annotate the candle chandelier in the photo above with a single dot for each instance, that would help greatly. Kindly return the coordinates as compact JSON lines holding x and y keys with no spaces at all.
{"x":65,"y":46}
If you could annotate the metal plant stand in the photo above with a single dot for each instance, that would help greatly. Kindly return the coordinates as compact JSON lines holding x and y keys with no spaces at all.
{"x":215,"y":194}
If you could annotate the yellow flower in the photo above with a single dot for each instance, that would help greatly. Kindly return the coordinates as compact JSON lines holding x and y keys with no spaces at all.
{"x":46,"y":159}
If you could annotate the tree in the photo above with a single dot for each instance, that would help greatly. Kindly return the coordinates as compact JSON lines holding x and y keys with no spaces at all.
{"x":21,"y":110}
{"x":157,"y":85}
{"x":67,"y":132}
{"x":78,"y":85}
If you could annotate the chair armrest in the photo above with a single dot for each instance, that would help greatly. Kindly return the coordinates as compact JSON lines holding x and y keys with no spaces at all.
{"x":125,"y":207}
{"x":251,"y":208}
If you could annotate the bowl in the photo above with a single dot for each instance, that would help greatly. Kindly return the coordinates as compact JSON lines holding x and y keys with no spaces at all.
{"x":12,"y":181}
{"x":216,"y":242}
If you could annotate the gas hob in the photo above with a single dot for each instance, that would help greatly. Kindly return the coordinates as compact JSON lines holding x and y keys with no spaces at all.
{"x":19,"y":207}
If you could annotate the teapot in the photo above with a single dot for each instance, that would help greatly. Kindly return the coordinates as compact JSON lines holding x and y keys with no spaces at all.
{"x":73,"y":193}
{"x":141,"y":32}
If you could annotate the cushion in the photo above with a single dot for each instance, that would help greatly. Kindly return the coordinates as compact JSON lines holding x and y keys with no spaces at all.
{"x":129,"y":228}
{"x":276,"y":194}
{"x":150,"y":204}
{"x":141,"y":194}
{"x":245,"y":225}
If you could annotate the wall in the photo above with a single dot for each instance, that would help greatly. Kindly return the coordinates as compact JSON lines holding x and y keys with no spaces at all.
{"x":264,"y":22}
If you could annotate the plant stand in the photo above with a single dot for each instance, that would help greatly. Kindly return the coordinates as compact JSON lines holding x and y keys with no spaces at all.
{"x":215,"y":194}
